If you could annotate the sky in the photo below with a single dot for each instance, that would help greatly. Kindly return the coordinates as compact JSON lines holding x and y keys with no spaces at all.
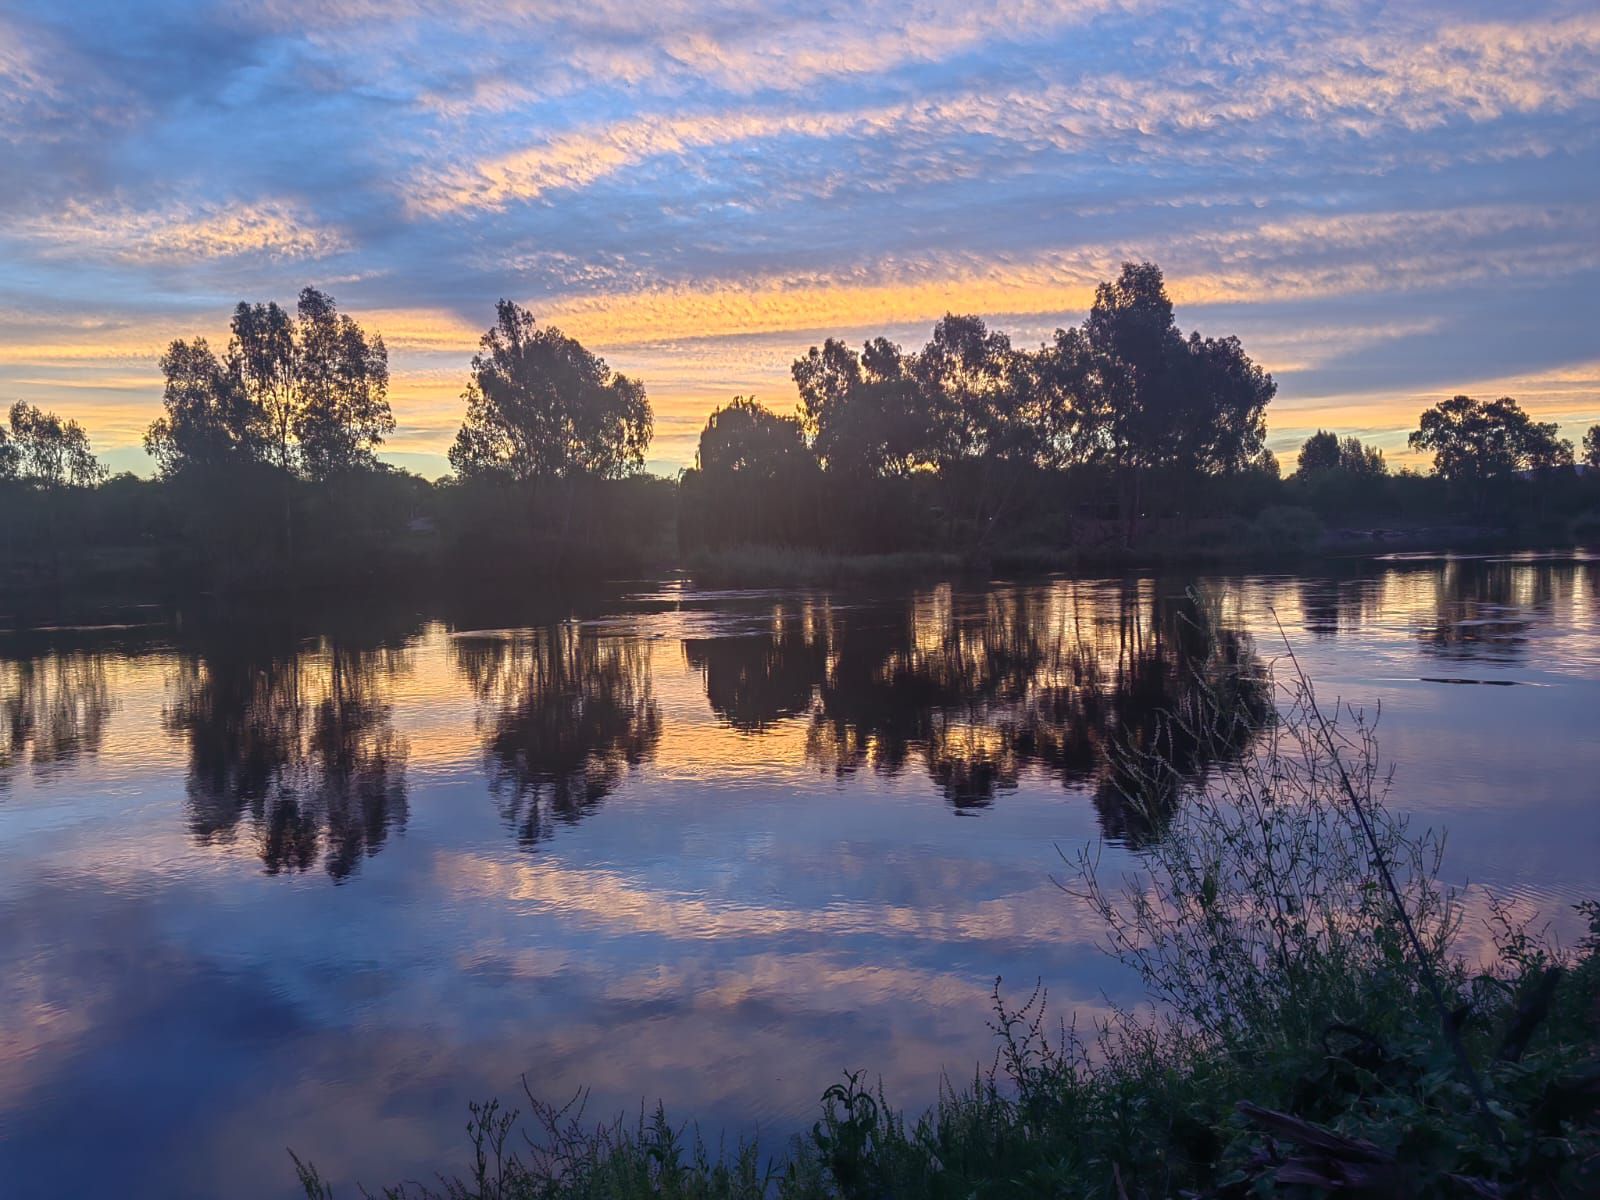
{"x":1388,"y":204}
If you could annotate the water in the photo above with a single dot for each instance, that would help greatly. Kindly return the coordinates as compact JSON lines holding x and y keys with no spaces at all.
{"x":321,"y":881}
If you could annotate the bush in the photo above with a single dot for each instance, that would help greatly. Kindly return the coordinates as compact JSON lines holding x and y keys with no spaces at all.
{"x":1283,"y":529}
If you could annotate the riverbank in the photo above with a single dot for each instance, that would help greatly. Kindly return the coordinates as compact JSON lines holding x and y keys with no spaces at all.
{"x":1200,"y":549}
{"x":1322,"y":1028}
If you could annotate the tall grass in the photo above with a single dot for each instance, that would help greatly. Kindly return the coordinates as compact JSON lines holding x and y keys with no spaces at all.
{"x":1302,"y":1042}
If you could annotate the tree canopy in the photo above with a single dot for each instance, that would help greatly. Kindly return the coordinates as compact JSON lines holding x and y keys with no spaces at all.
{"x":43,"y":450}
{"x":1591,"y":447}
{"x":540,"y":405}
{"x":1125,"y":388}
{"x":1473,"y":439}
{"x":748,"y":439}
{"x":1326,"y":452}
{"x":307,"y":393}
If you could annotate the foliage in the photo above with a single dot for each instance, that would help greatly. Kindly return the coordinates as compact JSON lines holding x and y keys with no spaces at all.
{"x":744,"y":438}
{"x":1591,"y":447}
{"x":1197,"y":403}
{"x":209,"y":420}
{"x":541,"y":406}
{"x":1302,"y":1050}
{"x":1474,"y":440}
{"x":1325,"y":452}
{"x":1285,"y":529}
{"x":307,"y":394}
{"x":864,"y":413}
{"x":754,"y":480}
{"x":47,"y":452}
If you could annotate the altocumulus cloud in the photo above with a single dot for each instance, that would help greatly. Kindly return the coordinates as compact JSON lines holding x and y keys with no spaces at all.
{"x":1388,"y":205}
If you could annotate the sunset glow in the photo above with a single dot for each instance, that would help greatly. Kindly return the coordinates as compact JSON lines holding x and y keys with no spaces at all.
{"x":1388,"y":205}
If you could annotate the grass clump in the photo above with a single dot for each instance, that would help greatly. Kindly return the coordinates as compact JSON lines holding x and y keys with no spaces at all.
{"x":1316,"y":1032}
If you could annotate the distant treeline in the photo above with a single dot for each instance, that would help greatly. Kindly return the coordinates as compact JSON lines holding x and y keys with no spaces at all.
{"x":1119,"y":436}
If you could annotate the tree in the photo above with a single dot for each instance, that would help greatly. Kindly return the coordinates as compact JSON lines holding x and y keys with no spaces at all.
{"x":1219,"y":421}
{"x":967,"y":386}
{"x":261,"y":357}
{"x":540,"y":405}
{"x":754,"y":480}
{"x":1360,"y":460}
{"x":1319,"y":452}
{"x":1591,"y":447}
{"x":10,"y":457}
{"x":49,"y":452}
{"x":1474,"y":440}
{"x":209,"y":419}
{"x":342,"y":384}
{"x":307,"y":394}
{"x":1064,"y":401}
{"x":1326,"y":452}
{"x":746,"y":438}
{"x":865,"y":414}
{"x":1195,"y":404}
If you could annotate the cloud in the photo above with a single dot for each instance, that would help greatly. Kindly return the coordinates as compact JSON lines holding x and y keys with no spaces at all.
{"x":1357,"y":87}
{"x":271,"y":229}
{"x":701,"y":188}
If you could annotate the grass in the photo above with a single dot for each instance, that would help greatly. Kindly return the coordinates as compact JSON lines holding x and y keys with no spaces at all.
{"x":1319,"y":1034}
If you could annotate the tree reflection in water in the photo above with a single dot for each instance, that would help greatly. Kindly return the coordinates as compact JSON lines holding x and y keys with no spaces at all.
{"x":564,"y":713}
{"x":298,"y":741}
{"x":53,"y":708}
{"x":980,"y":689}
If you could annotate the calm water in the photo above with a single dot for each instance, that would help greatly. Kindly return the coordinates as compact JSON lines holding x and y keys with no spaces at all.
{"x":320,"y":884}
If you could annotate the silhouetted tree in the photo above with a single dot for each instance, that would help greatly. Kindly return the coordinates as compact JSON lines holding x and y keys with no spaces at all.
{"x":1472,"y":440}
{"x":1319,"y":452}
{"x":1358,"y":459}
{"x":754,"y":480}
{"x":10,"y":456}
{"x":540,"y":405}
{"x":1591,"y":447}
{"x":865,"y":414}
{"x":307,"y":394}
{"x":747,"y":439}
{"x":1326,"y":452}
{"x":48,"y":452}
{"x":209,"y":419}
{"x":964,"y":377}
{"x":342,"y":379}
{"x":1149,"y":398}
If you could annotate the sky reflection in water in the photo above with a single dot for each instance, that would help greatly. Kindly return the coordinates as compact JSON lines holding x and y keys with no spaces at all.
{"x":320,"y":886}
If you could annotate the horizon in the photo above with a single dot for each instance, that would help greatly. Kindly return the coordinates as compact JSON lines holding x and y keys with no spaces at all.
{"x":1387,"y":209}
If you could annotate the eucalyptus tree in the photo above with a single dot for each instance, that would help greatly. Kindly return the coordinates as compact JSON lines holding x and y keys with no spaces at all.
{"x":1195,"y":403}
{"x":48,"y":452}
{"x":754,"y":479}
{"x":865,"y":413}
{"x":540,"y":406}
{"x":307,"y":394}
{"x":209,"y":420}
{"x":1472,"y":440}
{"x":1319,"y":452}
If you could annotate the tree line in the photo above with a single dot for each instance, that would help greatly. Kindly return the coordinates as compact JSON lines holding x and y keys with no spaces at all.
{"x":266,"y":450}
